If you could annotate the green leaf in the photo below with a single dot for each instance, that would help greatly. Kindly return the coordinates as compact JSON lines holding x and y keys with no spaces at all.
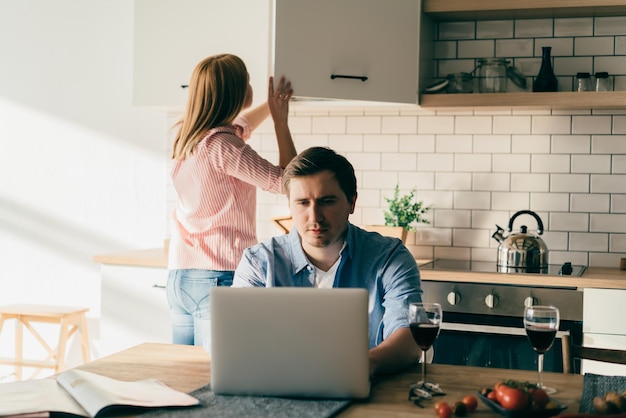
{"x":404,"y":211}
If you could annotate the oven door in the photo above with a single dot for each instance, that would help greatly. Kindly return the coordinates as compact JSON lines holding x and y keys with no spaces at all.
{"x":492,"y":341}
{"x":483,"y":325}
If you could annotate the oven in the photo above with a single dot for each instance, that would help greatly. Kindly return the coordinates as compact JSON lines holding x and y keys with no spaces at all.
{"x":483,"y":323}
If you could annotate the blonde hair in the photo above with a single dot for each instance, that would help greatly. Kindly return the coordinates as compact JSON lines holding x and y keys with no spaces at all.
{"x":217,"y":94}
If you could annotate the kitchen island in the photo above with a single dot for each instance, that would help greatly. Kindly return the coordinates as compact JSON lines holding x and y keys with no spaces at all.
{"x":187,"y":368}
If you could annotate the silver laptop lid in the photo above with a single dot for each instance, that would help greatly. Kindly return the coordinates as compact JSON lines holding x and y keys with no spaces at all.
{"x":304,"y":342}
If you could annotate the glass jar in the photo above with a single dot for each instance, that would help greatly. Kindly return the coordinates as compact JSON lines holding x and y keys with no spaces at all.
{"x":492,"y":77}
{"x":460,"y":83}
{"x":603,"y":83}
{"x":583,"y":82}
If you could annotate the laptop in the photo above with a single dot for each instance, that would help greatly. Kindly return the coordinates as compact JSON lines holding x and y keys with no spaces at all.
{"x":290,"y":342}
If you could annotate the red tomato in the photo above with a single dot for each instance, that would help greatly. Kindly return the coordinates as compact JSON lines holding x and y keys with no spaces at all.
{"x":511,"y":398}
{"x":471,"y":402}
{"x":444,"y":411}
{"x":492,"y":396}
{"x":438,"y":405}
{"x":540,"y":397}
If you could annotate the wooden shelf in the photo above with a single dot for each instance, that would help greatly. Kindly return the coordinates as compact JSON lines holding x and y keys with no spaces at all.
{"x":459,"y":10}
{"x":526,"y":100}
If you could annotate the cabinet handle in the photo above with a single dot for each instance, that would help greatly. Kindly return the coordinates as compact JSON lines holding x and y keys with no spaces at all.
{"x":158,"y":286}
{"x":356,"y":77}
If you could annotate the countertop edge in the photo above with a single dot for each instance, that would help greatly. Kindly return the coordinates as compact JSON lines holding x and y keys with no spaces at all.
{"x":594,"y":277}
{"x":152,"y":257}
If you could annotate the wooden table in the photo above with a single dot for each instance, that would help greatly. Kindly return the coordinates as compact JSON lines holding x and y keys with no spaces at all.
{"x":188,"y":367}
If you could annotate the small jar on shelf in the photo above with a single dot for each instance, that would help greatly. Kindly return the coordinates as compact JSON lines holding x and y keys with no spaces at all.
{"x":603,"y":82}
{"x":583,"y":82}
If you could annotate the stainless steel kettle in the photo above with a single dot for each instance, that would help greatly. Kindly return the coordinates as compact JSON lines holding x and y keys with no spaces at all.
{"x":522,"y":252}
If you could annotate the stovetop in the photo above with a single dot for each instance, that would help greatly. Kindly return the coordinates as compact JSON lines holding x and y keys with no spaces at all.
{"x":565,"y":269}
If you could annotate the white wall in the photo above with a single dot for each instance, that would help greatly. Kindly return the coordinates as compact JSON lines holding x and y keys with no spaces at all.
{"x":478,"y":169}
{"x":81,"y":171}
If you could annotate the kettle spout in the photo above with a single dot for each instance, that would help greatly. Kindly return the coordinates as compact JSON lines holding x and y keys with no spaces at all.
{"x":498,"y":234}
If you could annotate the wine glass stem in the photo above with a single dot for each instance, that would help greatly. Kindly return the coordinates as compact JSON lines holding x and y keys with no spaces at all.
{"x":540,"y":368}
{"x":424,"y":366}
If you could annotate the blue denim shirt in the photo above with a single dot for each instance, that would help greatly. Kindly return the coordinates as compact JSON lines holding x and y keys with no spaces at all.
{"x":382,"y":265}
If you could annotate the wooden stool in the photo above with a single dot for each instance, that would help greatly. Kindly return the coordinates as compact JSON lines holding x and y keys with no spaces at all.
{"x":70,"y":320}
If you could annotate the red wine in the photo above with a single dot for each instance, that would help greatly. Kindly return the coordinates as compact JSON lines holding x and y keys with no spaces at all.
{"x":424,"y":334}
{"x":541,"y":338}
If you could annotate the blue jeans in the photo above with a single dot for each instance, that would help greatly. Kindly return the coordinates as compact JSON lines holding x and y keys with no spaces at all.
{"x":188,"y":296}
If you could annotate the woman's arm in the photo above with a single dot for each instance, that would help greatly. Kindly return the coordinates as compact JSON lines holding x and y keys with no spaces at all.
{"x":278,"y":106}
{"x":257,"y":115}
{"x":278,"y":101}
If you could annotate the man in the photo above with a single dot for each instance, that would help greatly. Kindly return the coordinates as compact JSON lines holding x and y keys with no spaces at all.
{"x":325,"y":250}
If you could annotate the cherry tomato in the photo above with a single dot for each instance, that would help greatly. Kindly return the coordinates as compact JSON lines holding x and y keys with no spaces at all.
{"x":471,"y":402}
{"x":438,"y":405}
{"x":540,"y":397}
{"x":492,"y":396}
{"x":460,"y":409}
{"x":511,"y":398}
{"x":444,"y":411}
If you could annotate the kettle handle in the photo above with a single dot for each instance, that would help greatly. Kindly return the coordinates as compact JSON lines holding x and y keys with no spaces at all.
{"x":527,"y":212}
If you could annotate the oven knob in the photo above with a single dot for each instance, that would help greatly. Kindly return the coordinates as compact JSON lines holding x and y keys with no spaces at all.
{"x":530,"y":301}
{"x":453,"y":298}
{"x":491,"y":301}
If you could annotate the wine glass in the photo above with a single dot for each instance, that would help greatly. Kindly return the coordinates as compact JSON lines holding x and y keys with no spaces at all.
{"x":541,"y":323}
{"x":424,"y":321}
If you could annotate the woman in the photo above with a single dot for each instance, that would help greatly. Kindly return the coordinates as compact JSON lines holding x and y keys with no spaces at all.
{"x":215,"y":175}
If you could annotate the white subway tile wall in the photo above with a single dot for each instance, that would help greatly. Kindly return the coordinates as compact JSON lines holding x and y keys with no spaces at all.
{"x":578,"y":45}
{"x":478,"y":168}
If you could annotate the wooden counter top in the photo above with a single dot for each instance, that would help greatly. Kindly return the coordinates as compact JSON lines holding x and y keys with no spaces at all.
{"x":152,"y":257}
{"x":594,"y":277}
{"x":187,"y":368}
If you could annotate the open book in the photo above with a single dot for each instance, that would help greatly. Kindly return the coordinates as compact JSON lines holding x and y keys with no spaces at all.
{"x":85,"y":394}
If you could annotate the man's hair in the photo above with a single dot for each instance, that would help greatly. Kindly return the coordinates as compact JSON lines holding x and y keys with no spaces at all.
{"x":317,"y":159}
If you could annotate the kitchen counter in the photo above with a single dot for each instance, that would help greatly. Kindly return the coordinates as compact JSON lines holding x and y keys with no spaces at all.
{"x":186,"y":368}
{"x":594,"y":277}
{"x":152,"y":257}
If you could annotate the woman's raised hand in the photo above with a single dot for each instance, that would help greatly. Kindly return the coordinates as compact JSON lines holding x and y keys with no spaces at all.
{"x":278,"y":99}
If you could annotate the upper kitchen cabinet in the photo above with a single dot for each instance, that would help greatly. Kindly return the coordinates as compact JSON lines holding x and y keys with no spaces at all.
{"x":352,"y":49}
{"x":172,"y":36}
{"x":455,"y":10}
{"x":477,"y":10}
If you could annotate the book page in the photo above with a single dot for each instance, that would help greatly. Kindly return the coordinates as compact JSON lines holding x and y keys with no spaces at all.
{"x":36,"y":396}
{"x":96,"y":392}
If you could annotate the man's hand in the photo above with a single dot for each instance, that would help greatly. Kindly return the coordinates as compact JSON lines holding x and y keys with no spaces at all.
{"x":397,"y":352}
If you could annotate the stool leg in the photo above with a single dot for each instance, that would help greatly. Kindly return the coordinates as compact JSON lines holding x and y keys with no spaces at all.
{"x":59,"y":363}
{"x":84,"y":338}
{"x":19,"y":345}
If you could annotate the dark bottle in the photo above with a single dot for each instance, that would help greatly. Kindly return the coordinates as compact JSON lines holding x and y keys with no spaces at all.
{"x":546,"y":80}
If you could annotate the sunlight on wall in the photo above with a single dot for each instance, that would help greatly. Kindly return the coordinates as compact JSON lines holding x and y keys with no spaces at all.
{"x":68,"y":193}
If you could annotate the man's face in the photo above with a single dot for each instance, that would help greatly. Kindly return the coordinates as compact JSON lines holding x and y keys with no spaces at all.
{"x":319,"y":209}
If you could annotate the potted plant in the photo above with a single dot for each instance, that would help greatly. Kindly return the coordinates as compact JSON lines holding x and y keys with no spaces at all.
{"x":402,"y":214}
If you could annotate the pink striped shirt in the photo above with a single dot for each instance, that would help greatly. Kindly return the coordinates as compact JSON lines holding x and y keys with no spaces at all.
{"x":215,"y":215}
